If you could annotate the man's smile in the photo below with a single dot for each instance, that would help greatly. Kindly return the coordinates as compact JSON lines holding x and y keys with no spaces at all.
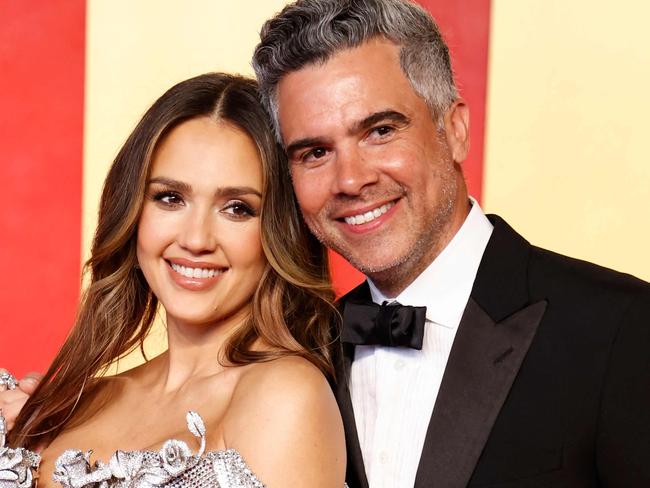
{"x":363,"y":220}
{"x":370,"y":215}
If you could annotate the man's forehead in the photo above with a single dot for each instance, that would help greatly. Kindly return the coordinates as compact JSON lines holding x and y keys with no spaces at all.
{"x":327,"y":121}
{"x":375,"y":50}
{"x":348,"y":87}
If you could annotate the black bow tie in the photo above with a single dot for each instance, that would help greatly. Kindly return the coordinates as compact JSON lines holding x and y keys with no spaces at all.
{"x":391,"y":325}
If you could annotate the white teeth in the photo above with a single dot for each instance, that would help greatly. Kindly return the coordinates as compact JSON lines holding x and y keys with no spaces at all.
{"x":195,"y":272}
{"x":368,"y":216}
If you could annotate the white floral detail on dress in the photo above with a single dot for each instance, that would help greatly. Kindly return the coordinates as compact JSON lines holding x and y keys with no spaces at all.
{"x":173,"y":466}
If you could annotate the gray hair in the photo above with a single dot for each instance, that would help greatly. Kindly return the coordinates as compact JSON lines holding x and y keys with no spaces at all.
{"x":311,"y":31}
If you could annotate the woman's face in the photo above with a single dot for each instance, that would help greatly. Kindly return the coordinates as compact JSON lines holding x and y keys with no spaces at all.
{"x":199,"y":234}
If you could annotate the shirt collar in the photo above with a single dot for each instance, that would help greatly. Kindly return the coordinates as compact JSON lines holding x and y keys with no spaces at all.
{"x":445,"y":285}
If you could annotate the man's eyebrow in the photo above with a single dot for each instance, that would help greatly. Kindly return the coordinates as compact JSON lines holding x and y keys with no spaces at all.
{"x":223,"y":191}
{"x":383,"y":116}
{"x":363,"y":124}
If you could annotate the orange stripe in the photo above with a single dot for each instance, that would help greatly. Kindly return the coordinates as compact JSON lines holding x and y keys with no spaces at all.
{"x":41,"y":95}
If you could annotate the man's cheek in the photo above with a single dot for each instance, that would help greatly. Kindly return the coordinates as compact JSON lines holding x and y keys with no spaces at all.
{"x":307,"y":208}
{"x":308,"y":196}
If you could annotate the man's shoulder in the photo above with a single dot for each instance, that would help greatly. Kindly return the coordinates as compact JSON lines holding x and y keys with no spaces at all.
{"x":579,"y":277}
{"x":546,"y":268}
{"x":513,"y":273}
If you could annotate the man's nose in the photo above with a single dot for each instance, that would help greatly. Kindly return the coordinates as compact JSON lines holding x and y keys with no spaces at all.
{"x":353,"y":172}
{"x":198,"y":233}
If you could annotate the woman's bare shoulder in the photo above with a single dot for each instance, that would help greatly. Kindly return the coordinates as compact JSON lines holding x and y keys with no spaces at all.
{"x":288,"y":390}
{"x":286,"y":375}
{"x":284,"y":420}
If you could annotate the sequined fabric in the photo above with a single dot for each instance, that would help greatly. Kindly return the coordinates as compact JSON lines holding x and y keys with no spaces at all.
{"x":174,"y":466}
{"x":16,"y":465}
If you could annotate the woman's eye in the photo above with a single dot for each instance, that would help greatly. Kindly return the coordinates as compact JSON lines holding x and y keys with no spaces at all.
{"x":168,"y":198}
{"x":239,"y":209}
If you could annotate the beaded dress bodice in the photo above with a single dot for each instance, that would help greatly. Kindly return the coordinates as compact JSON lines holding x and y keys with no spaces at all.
{"x":173,"y":466}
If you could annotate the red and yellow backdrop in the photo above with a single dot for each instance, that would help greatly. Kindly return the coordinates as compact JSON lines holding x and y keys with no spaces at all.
{"x":558,"y":93}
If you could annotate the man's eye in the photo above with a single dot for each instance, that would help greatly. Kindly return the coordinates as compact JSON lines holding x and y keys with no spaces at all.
{"x":383,"y":130}
{"x":315,"y":154}
{"x":239,"y":209}
{"x":168,"y":198}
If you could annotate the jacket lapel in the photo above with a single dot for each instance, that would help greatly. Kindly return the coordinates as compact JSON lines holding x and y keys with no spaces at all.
{"x":497,"y":328}
{"x":483,"y":363}
{"x":356,"y":473}
{"x":494,"y":335}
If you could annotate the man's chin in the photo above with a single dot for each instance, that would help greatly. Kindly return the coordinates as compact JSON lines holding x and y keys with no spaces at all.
{"x":372,"y":266}
{"x":375,"y":256}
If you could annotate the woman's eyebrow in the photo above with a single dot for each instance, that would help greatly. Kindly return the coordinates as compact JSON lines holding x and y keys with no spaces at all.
{"x":236,"y":191}
{"x":223,"y":191}
{"x":171,"y":184}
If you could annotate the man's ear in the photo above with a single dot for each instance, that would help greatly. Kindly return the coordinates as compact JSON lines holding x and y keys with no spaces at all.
{"x":456,"y":120}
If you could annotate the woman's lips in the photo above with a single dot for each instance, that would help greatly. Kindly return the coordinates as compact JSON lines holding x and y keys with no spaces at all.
{"x":200,"y":276}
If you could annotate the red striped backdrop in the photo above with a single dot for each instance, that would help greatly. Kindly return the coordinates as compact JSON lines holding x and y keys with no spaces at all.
{"x":42,"y":46}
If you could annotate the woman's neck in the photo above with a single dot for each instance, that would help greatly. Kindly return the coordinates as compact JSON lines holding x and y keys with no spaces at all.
{"x":195,"y":350}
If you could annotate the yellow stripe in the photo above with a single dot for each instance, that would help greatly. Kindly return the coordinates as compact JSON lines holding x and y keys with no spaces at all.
{"x":567,"y":127}
{"x":137,"y":50}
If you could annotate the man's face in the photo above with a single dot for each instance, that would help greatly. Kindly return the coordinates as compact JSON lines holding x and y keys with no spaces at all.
{"x":375,"y":176}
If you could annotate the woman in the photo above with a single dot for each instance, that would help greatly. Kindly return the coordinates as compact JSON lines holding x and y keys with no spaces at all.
{"x":196,"y":214}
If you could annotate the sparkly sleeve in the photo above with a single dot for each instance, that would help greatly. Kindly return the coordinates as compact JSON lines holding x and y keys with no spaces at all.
{"x":232,"y":472}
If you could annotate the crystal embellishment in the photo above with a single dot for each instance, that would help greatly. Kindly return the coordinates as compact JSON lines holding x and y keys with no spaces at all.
{"x":17,"y":466}
{"x":173,"y":466}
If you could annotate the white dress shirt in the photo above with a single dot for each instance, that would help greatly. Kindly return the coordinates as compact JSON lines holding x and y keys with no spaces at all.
{"x":394,"y":390}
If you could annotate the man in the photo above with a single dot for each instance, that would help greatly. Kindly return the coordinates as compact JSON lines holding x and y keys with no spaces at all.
{"x":532,"y":369}
{"x":526,"y":369}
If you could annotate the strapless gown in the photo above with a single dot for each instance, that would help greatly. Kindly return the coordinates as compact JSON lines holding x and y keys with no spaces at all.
{"x":173,"y":466}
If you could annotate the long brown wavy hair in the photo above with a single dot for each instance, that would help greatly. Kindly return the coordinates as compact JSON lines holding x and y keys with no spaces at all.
{"x":291,"y":309}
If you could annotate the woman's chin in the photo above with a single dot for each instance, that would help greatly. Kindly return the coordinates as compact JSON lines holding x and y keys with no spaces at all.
{"x":197,"y":317}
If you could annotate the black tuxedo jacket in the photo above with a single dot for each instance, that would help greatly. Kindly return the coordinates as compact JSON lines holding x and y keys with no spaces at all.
{"x":547,"y":383}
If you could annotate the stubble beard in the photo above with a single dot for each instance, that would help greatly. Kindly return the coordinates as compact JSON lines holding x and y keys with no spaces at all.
{"x":397,"y":273}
